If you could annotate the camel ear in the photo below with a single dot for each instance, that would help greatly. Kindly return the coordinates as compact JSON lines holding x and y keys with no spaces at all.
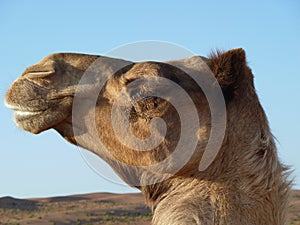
{"x":228,"y":68}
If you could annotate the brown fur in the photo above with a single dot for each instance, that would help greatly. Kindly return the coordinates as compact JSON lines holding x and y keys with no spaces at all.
{"x":245,"y":184}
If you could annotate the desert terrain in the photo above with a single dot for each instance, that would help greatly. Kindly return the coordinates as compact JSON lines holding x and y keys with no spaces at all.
{"x":88,"y":209}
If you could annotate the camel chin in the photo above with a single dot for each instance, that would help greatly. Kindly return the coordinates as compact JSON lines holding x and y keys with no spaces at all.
{"x":28,"y":121}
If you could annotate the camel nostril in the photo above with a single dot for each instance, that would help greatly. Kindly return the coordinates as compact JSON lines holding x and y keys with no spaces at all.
{"x":39,"y":74}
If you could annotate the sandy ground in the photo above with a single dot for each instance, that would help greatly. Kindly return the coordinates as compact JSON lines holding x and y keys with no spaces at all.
{"x":98,"y":208}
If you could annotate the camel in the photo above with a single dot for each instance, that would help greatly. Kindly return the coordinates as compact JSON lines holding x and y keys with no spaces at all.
{"x":244,"y":184}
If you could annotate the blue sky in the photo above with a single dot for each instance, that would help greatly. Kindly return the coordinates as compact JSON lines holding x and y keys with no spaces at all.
{"x":46,"y":165}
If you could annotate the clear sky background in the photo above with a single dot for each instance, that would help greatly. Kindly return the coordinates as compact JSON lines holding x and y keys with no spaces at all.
{"x":46,"y":165}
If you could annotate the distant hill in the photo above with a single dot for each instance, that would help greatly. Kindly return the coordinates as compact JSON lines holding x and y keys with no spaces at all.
{"x":96,"y":208}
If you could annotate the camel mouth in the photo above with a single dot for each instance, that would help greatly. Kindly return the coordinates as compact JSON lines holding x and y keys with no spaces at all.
{"x":37,"y":119}
{"x":26,"y":118}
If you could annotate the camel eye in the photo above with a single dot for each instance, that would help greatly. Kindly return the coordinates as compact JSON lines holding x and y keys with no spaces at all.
{"x":133,"y":116}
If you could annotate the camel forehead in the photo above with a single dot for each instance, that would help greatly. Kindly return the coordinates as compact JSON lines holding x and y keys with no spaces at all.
{"x":153,"y":68}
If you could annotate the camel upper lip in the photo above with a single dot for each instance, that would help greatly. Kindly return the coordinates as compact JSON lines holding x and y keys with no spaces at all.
{"x":21,"y":110}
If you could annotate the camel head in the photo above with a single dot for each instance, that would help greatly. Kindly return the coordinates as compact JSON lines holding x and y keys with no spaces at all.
{"x":44,"y":96}
{"x":135,"y":115}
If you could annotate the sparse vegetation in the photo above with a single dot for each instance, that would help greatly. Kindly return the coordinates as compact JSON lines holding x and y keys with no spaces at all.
{"x":89,"y":212}
{"x":95,"y":212}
